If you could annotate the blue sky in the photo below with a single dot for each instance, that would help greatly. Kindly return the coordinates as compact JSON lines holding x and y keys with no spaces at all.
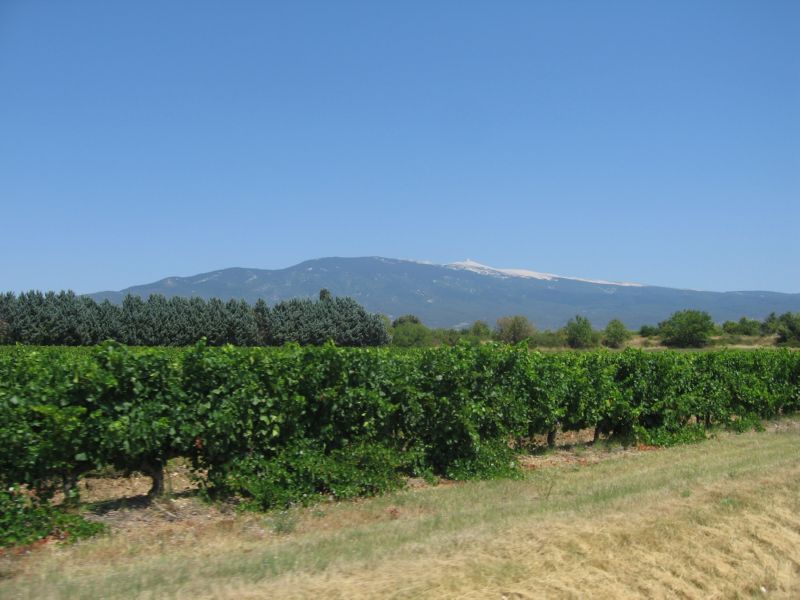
{"x":640,"y":141}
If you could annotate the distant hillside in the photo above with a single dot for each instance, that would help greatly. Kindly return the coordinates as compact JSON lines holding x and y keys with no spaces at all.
{"x":458,"y":294}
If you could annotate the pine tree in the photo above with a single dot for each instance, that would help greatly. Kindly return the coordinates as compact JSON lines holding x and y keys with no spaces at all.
{"x":8,"y":305}
{"x":216,"y":325}
{"x":261,"y":315}
{"x":242,"y":327}
{"x":132,"y":320}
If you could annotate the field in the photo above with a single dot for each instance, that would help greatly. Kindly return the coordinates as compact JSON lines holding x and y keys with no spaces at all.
{"x":320,"y":430}
{"x":719,"y":518}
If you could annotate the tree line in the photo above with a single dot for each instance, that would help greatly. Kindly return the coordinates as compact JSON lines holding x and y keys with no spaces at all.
{"x":694,"y":328}
{"x":409,"y":331}
{"x":683,"y":329}
{"x":67,"y":319}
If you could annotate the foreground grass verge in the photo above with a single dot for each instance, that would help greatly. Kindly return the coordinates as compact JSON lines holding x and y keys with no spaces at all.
{"x":719,"y":518}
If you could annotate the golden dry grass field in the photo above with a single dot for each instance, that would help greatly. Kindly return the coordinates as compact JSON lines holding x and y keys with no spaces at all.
{"x":718,"y":519}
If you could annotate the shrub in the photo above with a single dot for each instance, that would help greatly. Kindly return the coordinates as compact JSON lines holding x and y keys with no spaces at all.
{"x":666,"y":436}
{"x":770,"y":325}
{"x":743,"y":326}
{"x":490,"y":460}
{"x":580,"y":333}
{"x":411,"y":335}
{"x":616,"y":334}
{"x":648,"y":331}
{"x":513,"y":330}
{"x":548,"y":339}
{"x":406,"y":320}
{"x":446,"y":337}
{"x":25,"y":519}
{"x":789,"y":329}
{"x":303,"y":473}
{"x":687,"y":329}
{"x":749,"y":326}
{"x":480,"y":330}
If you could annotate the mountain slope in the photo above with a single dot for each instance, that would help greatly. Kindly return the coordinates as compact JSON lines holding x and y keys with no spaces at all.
{"x":460,"y":293}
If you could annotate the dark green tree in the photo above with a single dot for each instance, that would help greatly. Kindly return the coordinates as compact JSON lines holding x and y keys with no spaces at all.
{"x":406,"y":320}
{"x":789,"y":329}
{"x":215,"y":327}
{"x":341,"y":320}
{"x":770,"y":325}
{"x":196,"y":319}
{"x":182,"y":328}
{"x":97,"y":322}
{"x":242,"y":324}
{"x":8,"y":304}
{"x":687,"y":329}
{"x":743,"y":326}
{"x":159,"y":326}
{"x":132,"y":320}
{"x":353,"y":325}
{"x":68,"y":319}
{"x":261,"y":314}
{"x":616,"y":334}
{"x":648,"y":331}
{"x":580,"y":334}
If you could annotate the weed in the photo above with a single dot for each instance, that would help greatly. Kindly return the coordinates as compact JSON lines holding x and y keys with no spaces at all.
{"x":283,"y":522}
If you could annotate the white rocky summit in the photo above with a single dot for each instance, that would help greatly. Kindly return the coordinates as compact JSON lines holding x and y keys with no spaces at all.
{"x":476,"y":267}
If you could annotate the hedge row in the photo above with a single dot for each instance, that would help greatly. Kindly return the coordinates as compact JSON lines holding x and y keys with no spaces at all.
{"x":279,"y":425}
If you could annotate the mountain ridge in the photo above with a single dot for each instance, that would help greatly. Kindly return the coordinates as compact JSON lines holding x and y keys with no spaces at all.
{"x":460,"y":293}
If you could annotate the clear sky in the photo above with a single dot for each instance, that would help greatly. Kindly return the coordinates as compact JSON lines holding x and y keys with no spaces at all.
{"x":656,"y":142}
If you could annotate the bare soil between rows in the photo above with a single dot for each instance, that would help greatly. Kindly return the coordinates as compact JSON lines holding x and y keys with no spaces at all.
{"x":121,"y":502}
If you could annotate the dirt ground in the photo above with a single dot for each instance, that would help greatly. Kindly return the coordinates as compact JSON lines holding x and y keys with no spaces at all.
{"x":121,"y":502}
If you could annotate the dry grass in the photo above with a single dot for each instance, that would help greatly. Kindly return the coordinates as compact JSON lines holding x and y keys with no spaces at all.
{"x":714,"y":520}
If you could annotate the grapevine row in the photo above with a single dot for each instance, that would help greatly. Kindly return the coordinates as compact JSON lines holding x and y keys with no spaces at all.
{"x":278,"y":425}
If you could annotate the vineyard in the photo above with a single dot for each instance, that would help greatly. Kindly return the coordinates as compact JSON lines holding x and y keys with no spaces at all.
{"x":276,"y":426}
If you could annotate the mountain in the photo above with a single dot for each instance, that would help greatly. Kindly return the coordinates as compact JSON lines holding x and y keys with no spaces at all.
{"x":457,"y":294}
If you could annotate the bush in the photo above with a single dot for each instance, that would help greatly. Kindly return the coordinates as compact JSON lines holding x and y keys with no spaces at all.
{"x":789,"y":329}
{"x":743,"y":326}
{"x":446,"y":337}
{"x":304,"y":473}
{"x":580,"y":333}
{"x":406,"y":320}
{"x":770,"y":325}
{"x":687,"y":329}
{"x":25,"y":519}
{"x":548,"y":339}
{"x":411,"y":335}
{"x":491,"y":460}
{"x":665,"y":436}
{"x":513,"y":330}
{"x":479,"y":330}
{"x":648,"y":331}
{"x":616,"y":334}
